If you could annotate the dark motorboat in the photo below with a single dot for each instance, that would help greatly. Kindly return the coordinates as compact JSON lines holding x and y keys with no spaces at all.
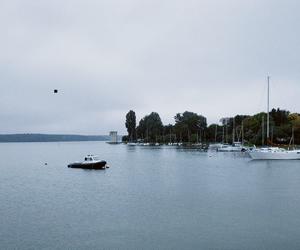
{"x":90,"y":162}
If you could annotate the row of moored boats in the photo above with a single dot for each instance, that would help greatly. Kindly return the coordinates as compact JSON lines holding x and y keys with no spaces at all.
{"x":263,"y":153}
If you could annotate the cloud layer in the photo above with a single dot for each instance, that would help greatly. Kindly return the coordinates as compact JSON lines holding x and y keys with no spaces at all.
{"x":106,"y":57}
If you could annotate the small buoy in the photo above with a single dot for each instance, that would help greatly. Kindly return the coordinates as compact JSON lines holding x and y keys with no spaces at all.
{"x":55,"y":91}
{"x":46,"y":163}
{"x":107,"y":166}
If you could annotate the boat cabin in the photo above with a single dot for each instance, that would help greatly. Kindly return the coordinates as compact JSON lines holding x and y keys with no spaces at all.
{"x":91,"y":158}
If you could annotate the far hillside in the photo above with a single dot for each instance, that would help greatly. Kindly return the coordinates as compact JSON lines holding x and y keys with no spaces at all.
{"x":50,"y":137}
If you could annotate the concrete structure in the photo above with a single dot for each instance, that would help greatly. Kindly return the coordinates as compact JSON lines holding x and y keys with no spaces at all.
{"x":113,"y":136}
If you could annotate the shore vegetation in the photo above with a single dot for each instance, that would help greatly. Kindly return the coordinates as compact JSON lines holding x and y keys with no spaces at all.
{"x":192,"y":128}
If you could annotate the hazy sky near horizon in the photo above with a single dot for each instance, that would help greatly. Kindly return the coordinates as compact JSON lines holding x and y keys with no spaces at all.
{"x":107,"y":57}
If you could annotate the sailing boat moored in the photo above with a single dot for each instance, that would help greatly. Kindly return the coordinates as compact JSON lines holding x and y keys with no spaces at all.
{"x":273,"y":153}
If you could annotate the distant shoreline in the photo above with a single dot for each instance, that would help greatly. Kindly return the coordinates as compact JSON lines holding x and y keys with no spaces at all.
{"x":4,"y":138}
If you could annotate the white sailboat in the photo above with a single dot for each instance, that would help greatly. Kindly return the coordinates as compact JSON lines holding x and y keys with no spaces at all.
{"x":273,"y":153}
{"x":236,"y":146}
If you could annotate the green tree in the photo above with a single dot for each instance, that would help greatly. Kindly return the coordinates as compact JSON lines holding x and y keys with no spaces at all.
{"x":169,"y":134}
{"x":214,"y":133}
{"x":253,"y":128}
{"x":150,"y":127}
{"x":189,"y":123}
{"x":234,"y":124}
{"x":125,"y":138}
{"x":280,"y":117}
{"x":294,"y":120}
{"x":131,"y":125}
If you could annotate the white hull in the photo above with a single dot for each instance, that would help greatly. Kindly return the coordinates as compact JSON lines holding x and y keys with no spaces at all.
{"x":230,"y":149}
{"x":235,"y":147}
{"x":215,"y":145}
{"x":275,"y":155}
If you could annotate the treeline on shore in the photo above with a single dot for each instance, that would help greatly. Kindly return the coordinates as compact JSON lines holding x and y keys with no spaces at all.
{"x":50,"y":138}
{"x":190,"y":127}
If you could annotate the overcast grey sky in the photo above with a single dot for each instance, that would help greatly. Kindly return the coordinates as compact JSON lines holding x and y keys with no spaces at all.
{"x":106,"y":57}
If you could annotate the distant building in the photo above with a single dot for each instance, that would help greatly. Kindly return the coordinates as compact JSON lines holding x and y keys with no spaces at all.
{"x":113,"y":136}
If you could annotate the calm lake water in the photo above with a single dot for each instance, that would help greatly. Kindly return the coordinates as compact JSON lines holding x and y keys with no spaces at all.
{"x":149,"y":198}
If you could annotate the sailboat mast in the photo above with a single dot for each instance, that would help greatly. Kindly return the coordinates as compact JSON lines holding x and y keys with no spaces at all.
{"x":268,"y":111}
{"x":242,"y":132}
{"x":216,"y":132}
{"x":233,"y":130}
{"x":263,"y":131}
{"x":226,"y":134}
{"x":223,"y":135}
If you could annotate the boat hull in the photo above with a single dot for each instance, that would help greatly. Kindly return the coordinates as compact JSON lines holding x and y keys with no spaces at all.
{"x":288,"y":155}
{"x":230,"y":149}
{"x":92,"y":165}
